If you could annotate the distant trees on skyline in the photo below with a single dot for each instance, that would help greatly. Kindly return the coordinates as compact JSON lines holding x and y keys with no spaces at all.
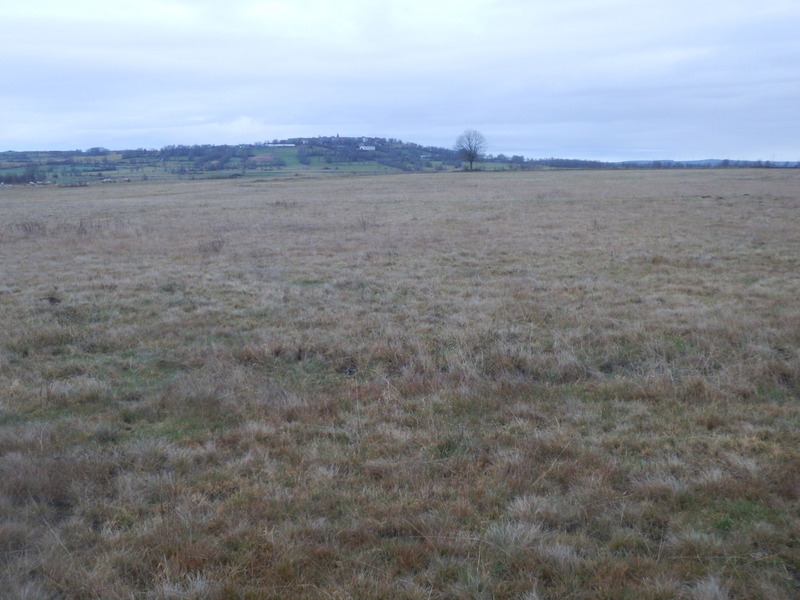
{"x":360,"y":154}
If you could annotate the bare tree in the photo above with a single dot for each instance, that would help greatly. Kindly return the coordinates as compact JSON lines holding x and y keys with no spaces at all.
{"x":471,"y":145}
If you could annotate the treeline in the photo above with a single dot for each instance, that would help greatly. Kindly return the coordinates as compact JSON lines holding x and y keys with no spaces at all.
{"x":206,"y":157}
{"x":28,"y":167}
{"x":331,"y":150}
{"x":571,"y":163}
{"x":392,"y":153}
{"x":361,"y":154}
{"x":29,"y":173}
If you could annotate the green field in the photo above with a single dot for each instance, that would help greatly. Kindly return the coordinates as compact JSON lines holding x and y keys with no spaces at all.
{"x":510,"y":385}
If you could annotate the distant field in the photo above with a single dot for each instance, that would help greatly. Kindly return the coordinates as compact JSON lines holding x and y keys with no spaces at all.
{"x":310,"y":157}
{"x":522,"y":385}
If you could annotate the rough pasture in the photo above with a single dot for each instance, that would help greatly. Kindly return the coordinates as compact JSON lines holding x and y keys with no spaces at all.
{"x":489,"y":385}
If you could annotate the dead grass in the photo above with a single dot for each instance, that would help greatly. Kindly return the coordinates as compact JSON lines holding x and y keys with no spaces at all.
{"x":494,"y":385}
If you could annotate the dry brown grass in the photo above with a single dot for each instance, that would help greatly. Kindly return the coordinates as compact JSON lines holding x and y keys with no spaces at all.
{"x":495,"y":385}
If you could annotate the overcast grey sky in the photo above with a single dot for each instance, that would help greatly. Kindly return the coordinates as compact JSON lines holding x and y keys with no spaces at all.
{"x":605,"y":79}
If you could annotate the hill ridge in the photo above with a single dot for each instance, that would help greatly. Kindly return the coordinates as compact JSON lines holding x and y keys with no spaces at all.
{"x":292,"y":156}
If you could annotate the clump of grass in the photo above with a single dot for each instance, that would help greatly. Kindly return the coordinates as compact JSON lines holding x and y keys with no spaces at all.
{"x":30,"y":228}
{"x":213,"y":246}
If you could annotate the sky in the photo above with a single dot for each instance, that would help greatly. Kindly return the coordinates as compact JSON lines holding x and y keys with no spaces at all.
{"x":589,"y":79}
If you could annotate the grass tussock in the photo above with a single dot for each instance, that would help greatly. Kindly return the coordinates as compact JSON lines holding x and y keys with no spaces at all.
{"x":520,"y":385}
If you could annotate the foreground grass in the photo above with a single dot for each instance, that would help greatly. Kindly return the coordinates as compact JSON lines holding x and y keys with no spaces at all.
{"x":549,"y":385}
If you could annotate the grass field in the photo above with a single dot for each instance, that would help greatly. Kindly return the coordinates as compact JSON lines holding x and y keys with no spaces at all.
{"x":544,"y":385}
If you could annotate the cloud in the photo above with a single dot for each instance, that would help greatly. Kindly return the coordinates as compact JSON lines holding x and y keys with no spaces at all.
{"x":607,"y":78}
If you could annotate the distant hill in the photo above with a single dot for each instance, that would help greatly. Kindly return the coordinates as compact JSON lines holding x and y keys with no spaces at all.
{"x":289,"y":157}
